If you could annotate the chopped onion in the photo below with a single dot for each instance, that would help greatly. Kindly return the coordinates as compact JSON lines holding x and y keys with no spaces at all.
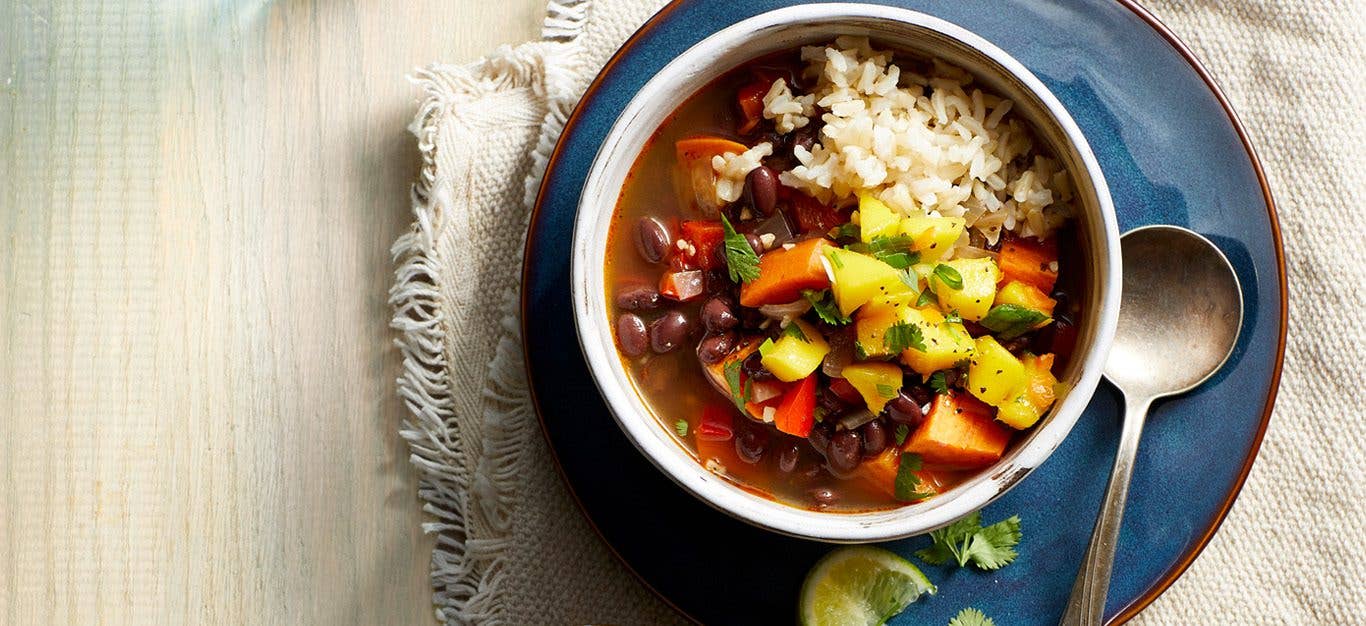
{"x":973,"y":252}
{"x":790,"y":311}
{"x":858,"y":418}
{"x":841,"y":352}
{"x":777,"y":226}
{"x":763,"y":391}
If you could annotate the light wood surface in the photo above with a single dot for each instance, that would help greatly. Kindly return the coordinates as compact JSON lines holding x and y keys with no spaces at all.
{"x":197,"y":409}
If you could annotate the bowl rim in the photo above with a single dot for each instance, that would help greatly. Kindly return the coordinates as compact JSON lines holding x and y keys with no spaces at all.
{"x":646,"y":432}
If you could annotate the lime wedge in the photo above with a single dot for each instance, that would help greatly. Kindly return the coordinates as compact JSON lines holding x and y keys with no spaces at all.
{"x":859,"y":585}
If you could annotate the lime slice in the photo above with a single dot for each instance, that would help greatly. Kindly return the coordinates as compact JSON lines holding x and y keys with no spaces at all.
{"x":859,"y":585}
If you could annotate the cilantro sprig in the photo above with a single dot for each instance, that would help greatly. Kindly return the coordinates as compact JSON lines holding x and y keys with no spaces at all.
{"x":741,"y":261}
{"x":908,"y":484}
{"x":903,"y":335}
{"x":1012,"y":320}
{"x":681,"y":427}
{"x":739,"y":393}
{"x":823,"y":303}
{"x":939,"y":382}
{"x":966,"y":541}
{"x":795,"y":331}
{"x":971,"y":617}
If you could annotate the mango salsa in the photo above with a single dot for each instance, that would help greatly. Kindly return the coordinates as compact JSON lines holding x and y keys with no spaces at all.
{"x":973,"y":291}
{"x":933,"y":236}
{"x":796,"y":353}
{"x":876,"y":382}
{"x":995,"y":376}
{"x":1038,"y":396}
{"x":876,"y":219}
{"x":858,"y":278}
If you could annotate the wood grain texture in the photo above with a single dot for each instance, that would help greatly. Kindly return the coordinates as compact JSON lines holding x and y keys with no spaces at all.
{"x":197,"y":409}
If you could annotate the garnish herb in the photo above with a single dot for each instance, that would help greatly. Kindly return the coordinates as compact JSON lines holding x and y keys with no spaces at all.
{"x":823,"y":302}
{"x":902,"y":432}
{"x":886,"y":391}
{"x":835,"y":259}
{"x":739,"y":394}
{"x":939,"y":383}
{"x":907,"y":483}
{"x":926,"y":297}
{"x":966,"y":541}
{"x":953,"y":317}
{"x":795,"y":331}
{"x":909,"y":279}
{"x":949,"y":276}
{"x":741,"y":261}
{"x":847,"y":230}
{"x":859,"y":351}
{"x":903,"y":335}
{"x":681,"y":427}
{"x":1012,"y":320}
{"x":971,"y":617}
{"x":895,"y":251}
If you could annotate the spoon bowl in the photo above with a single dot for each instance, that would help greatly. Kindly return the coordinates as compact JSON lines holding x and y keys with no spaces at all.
{"x":1179,"y":316}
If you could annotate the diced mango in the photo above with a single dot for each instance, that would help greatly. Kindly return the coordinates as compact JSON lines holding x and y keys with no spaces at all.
{"x":1037,"y":397}
{"x":877,"y":382}
{"x":793,"y":357}
{"x":946,"y":343}
{"x":1027,"y":296}
{"x":933,"y":236}
{"x":973,"y":299}
{"x":995,"y":376}
{"x":859,"y":278}
{"x":876,"y":219}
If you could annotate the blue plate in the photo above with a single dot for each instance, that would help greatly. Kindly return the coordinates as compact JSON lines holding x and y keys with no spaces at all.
{"x":1173,"y":153}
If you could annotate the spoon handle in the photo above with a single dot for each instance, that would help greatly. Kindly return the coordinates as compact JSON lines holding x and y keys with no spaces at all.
{"x":1086,"y":607}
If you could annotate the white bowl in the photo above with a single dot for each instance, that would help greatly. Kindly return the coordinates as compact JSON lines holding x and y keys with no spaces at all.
{"x":891,"y":27}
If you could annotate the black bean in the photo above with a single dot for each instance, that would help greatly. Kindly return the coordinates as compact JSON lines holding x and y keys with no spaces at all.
{"x":845,"y":391}
{"x":717,"y":315}
{"x":832,"y":403}
{"x":804,"y":137}
{"x":819,"y":438}
{"x":631,"y":335}
{"x":921,"y":394}
{"x":751,"y":444}
{"x":761,"y":190}
{"x":951,"y":377}
{"x":753,"y":367}
{"x":846,"y":450}
{"x":713,"y":348}
{"x":638,"y":298}
{"x":905,"y":409}
{"x":669,"y":331}
{"x":652,"y":241}
{"x":822,"y":496}
{"x":788,"y":454}
{"x":874,"y":438}
{"x":754,"y":243}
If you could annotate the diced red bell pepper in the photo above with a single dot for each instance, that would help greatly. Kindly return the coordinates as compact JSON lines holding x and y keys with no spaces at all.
{"x":705,"y":239}
{"x":682,"y":286}
{"x":751,"y":100}
{"x":716,"y":424}
{"x":811,"y":216}
{"x":796,"y":414}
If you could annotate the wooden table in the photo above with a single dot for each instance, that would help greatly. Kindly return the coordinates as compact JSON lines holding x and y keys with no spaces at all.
{"x":198,"y":421}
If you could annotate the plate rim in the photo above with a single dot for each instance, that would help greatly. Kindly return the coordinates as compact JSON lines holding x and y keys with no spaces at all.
{"x":1184,"y":562}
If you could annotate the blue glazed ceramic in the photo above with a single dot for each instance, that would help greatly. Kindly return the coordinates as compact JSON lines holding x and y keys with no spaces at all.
{"x":1172,"y":152}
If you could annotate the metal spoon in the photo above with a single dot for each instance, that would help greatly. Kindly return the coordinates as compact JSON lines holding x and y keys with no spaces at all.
{"x":1179,"y":318}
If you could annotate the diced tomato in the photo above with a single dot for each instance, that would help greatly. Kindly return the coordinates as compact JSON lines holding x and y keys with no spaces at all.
{"x":716,"y":424}
{"x":797,"y":413}
{"x":810,"y":214}
{"x":751,"y":100}
{"x":682,"y":286}
{"x":705,"y":239}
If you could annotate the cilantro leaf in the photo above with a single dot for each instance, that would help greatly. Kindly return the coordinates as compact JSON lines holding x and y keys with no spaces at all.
{"x":907,"y":485}
{"x":971,"y":617}
{"x":847,"y":230}
{"x":681,"y":427}
{"x":903,"y":335}
{"x":739,"y":394}
{"x":741,"y":261}
{"x":795,"y":331}
{"x":902,"y":431}
{"x":1012,"y":320}
{"x":926,"y":297}
{"x":953,"y":317}
{"x":860,"y":352}
{"x":823,"y":302}
{"x":965,"y":541}
{"x":994,"y":546}
{"x":909,"y":278}
{"x":948,"y":276}
{"x":887,"y":391}
{"x":939,"y":383}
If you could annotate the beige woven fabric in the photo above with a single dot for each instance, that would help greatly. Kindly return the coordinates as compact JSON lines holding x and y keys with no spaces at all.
{"x":513,"y":549}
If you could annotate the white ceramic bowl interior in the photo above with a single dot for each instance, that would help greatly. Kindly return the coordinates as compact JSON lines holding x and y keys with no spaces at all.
{"x":905,"y":31}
